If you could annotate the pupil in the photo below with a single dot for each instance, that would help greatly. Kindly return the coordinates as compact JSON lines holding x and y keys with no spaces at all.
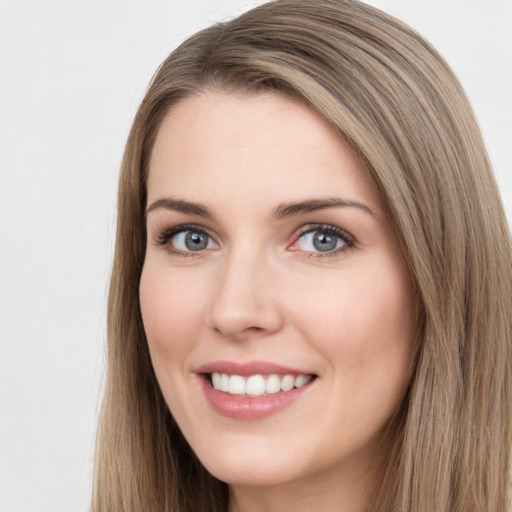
{"x":196,"y":241}
{"x":323,"y":242}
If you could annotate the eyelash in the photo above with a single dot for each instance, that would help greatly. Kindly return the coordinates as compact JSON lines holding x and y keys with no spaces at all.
{"x":165,"y":236}
{"x":328,"y":229}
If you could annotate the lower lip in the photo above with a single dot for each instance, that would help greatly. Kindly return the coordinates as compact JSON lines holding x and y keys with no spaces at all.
{"x":250,"y":408}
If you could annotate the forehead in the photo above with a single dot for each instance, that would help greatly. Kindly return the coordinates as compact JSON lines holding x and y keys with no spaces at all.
{"x":243,"y":145}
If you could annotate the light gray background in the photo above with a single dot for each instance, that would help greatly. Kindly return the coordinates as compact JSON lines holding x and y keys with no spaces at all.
{"x":71,"y":76}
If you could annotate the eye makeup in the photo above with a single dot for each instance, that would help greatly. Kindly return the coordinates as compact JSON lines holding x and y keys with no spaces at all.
{"x":313,"y":240}
{"x":195,"y":239}
{"x":322,"y":240}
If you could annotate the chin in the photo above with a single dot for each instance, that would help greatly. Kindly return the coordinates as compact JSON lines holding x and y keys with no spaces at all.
{"x":252,"y":473}
{"x":252,"y":462}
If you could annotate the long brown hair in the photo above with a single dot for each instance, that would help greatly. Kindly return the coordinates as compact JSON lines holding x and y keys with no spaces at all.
{"x":403,"y":112}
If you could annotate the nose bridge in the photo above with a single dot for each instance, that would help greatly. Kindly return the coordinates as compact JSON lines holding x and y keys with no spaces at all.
{"x":244,"y":299}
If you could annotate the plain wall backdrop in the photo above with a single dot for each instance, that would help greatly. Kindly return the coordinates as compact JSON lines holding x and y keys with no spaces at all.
{"x":71,"y":76}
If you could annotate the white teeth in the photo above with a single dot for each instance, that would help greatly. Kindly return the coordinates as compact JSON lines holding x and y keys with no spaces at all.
{"x":216,"y":380}
{"x":224,"y":382}
{"x":302,"y":380}
{"x":287,"y":382}
{"x":236,"y":385}
{"x":273,"y":384}
{"x":257,"y":385}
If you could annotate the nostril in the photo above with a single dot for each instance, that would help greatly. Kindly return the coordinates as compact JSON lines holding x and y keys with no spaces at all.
{"x":242,"y":333}
{"x":254,"y":329}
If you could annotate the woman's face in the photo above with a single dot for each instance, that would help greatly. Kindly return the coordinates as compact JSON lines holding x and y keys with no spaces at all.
{"x":272,"y":271}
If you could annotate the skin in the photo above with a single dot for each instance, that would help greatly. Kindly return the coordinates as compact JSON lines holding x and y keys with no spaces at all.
{"x":261,"y":291}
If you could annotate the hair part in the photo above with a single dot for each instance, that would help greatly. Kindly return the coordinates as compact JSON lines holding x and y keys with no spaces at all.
{"x":402,"y":111}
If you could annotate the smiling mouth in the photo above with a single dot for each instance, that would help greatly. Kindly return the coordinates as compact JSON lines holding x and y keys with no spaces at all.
{"x":257,"y":385}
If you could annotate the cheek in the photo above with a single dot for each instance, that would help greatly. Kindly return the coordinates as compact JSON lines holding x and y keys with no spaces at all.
{"x":364,"y":322}
{"x":170,"y":311}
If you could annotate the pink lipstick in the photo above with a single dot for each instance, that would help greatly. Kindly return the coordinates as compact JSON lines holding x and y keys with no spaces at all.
{"x":252,"y":390}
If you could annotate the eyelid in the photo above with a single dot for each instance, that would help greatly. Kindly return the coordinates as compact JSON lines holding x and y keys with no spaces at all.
{"x":349,"y":239}
{"x":325,"y":227}
{"x":164,"y":236}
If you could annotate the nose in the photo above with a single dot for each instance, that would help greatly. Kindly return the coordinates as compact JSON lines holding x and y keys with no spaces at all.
{"x":244,"y":302}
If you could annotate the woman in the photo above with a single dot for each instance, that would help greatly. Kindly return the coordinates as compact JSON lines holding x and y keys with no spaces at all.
{"x":310,"y":301}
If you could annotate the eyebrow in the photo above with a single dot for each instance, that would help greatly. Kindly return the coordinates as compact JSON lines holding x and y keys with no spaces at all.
{"x":282,"y":211}
{"x":313,"y":205}
{"x":180,"y":206}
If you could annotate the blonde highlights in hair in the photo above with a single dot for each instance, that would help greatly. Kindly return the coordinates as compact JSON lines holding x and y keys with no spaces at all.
{"x":403,"y":112}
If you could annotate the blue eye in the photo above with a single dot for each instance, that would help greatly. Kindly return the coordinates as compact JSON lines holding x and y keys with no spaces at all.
{"x":323,"y":240}
{"x":192,"y":241}
{"x":183,"y":240}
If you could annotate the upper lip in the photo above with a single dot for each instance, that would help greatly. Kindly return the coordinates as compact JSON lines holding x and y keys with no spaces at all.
{"x":249,"y":368}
